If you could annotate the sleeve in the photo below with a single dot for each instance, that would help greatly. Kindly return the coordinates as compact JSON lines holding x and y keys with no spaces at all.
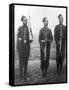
{"x":55,"y":35}
{"x":18,"y":34}
{"x":17,"y":46}
{"x":40,"y":37}
{"x":51,"y":36}
{"x":65,"y":33}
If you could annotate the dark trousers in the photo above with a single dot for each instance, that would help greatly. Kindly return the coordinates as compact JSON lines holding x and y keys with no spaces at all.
{"x":45,"y":63}
{"x":60,"y":58}
{"x":23,"y":62}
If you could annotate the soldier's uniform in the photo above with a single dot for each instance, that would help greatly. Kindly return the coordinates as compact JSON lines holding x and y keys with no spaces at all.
{"x":45,"y":34}
{"x":23,"y":49}
{"x":60,"y":56}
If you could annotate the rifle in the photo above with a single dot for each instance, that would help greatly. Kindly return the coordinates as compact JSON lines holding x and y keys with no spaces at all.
{"x":30,"y":31}
{"x":44,"y":47}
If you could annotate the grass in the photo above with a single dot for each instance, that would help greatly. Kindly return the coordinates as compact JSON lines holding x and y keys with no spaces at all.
{"x":34,"y":71}
{"x":35,"y":74}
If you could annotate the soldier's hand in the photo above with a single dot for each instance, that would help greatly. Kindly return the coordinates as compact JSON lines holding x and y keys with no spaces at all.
{"x":19,"y":39}
{"x":25,"y":41}
{"x":42,"y":41}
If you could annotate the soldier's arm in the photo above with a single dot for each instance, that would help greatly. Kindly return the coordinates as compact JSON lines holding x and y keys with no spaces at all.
{"x":18,"y":35}
{"x":55,"y":35}
{"x":65,"y":33}
{"x":18,"y":39}
{"x":40,"y":37}
{"x":51,"y":36}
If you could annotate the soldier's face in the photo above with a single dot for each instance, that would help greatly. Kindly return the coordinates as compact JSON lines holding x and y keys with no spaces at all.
{"x":25,"y":21}
{"x":60,"y":19}
{"x":46,"y":22}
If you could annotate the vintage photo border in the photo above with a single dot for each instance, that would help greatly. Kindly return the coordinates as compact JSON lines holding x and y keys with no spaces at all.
{"x":12,"y":45}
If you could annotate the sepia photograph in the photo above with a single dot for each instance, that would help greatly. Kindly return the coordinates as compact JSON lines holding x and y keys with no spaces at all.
{"x":40,"y":44}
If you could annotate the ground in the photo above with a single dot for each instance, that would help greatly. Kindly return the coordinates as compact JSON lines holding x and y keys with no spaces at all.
{"x":35,"y":74}
{"x":34,"y":70}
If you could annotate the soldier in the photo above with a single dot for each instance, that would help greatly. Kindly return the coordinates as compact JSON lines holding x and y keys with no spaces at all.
{"x":60,"y":37}
{"x":45,"y":38}
{"x":23,"y":47}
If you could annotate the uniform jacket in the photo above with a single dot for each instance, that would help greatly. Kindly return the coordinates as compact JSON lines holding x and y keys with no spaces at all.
{"x":23,"y":33}
{"x":57,"y":35}
{"x":45,"y":33}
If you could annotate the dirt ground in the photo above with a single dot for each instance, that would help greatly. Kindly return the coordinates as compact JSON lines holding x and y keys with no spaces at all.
{"x":35,"y":74}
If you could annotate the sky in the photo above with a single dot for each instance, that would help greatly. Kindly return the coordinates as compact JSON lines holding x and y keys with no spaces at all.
{"x":37,"y":14}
